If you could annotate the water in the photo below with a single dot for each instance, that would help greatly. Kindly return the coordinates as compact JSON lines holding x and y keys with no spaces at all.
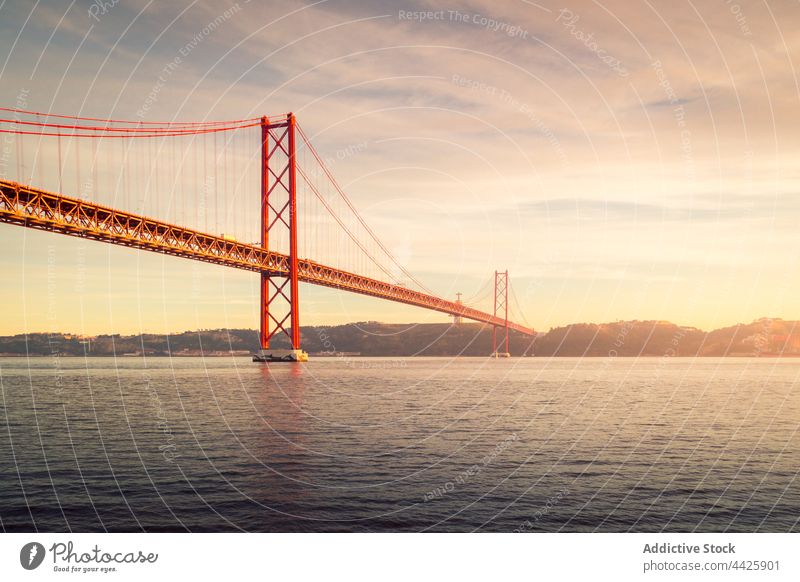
{"x":222,"y":444}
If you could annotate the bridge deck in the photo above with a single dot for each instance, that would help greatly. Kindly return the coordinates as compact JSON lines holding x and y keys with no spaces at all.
{"x":35,"y":208}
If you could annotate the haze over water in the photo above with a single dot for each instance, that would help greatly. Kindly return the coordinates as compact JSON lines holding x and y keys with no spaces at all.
{"x":536,"y":444}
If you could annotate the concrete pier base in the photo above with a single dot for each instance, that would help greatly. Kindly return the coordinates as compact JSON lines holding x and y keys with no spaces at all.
{"x":270,"y":355}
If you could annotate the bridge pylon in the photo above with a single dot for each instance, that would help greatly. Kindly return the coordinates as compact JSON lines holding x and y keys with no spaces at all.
{"x":280,"y":301}
{"x":500,"y":345}
{"x":457,"y":319}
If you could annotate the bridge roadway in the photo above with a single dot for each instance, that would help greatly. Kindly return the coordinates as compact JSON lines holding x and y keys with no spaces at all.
{"x":35,"y":208}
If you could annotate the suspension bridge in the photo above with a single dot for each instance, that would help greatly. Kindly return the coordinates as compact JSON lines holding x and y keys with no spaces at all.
{"x":251,"y":194}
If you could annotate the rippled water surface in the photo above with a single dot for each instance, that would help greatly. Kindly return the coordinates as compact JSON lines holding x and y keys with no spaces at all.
{"x":531,"y":444}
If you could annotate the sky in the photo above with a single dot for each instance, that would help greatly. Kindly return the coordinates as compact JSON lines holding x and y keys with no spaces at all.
{"x":622,"y":160}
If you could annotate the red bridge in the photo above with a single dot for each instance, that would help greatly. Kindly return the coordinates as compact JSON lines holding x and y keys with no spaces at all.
{"x":299,"y":205}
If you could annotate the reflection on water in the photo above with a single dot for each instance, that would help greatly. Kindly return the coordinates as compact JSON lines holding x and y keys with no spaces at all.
{"x":565,"y":444}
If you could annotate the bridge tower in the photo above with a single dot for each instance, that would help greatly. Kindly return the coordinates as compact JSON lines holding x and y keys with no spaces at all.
{"x":280,"y":302}
{"x":500,"y":349}
{"x":457,"y":319}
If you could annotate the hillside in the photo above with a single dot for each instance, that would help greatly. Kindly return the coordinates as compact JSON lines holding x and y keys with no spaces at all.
{"x":761,"y":338}
{"x":366,"y":338}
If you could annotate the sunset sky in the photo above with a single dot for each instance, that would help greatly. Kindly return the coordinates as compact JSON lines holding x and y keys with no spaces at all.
{"x":622,"y":160}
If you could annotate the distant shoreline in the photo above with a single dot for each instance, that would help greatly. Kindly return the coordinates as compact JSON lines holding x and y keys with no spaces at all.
{"x":762,"y":338}
{"x":316,"y":357}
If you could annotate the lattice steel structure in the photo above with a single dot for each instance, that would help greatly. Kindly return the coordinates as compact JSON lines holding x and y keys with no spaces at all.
{"x":501,"y":312}
{"x":280,"y":301}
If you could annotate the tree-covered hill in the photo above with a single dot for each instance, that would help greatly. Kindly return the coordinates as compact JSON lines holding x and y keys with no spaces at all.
{"x":761,"y":338}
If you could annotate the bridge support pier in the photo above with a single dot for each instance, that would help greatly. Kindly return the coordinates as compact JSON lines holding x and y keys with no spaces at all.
{"x":268,"y":355}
